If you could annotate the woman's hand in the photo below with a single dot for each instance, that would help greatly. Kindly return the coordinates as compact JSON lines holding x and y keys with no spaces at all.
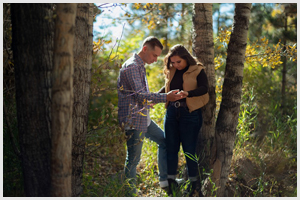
{"x":184,"y":94}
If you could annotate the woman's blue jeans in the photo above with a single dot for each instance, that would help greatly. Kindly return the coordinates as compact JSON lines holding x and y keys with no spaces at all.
{"x":183,"y":127}
{"x":134,"y":149}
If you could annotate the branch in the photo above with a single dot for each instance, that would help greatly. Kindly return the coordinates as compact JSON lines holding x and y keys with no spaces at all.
{"x":118,"y":44}
{"x":104,"y":5}
{"x":121,"y":36}
{"x":138,"y":16}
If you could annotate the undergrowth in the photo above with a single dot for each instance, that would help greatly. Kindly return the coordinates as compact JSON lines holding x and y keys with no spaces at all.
{"x":264,"y":160}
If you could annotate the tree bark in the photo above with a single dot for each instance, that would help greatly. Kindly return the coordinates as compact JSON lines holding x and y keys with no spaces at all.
{"x":33,"y":59}
{"x":62,"y":100}
{"x":203,"y":49}
{"x":82,"y":79}
{"x":231,"y":96}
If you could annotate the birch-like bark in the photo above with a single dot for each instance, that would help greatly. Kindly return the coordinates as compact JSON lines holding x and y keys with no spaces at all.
{"x":62,"y":100}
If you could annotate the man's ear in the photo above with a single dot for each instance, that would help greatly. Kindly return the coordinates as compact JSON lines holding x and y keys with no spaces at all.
{"x":145,"y":48}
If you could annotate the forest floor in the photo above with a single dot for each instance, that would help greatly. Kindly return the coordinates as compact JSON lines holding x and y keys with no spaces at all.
{"x":250,"y":176}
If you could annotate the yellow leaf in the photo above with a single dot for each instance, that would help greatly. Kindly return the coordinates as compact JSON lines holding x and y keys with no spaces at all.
{"x":142,"y":114}
{"x":137,"y":5}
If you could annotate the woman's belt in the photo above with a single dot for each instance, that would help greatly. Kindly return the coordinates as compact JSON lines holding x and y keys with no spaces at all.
{"x":178,"y":104}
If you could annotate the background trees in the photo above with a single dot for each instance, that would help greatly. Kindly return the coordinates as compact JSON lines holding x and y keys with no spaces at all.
{"x":35,"y":94}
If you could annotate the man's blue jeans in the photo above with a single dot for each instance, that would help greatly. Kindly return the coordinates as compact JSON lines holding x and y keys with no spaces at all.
{"x":134,"y":149}
{"x":183,"y":127}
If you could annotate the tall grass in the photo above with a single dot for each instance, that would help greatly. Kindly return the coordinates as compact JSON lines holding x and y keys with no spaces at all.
{"x":264,"y":159}
{"x":269,"y":145}
{"x":266,"y":148}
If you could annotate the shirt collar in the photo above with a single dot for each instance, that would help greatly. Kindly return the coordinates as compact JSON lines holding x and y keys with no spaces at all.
{"x":139,"y":60}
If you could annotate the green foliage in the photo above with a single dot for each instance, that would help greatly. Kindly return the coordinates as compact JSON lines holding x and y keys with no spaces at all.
{"x":247,"y":118}
{"x":270,"y":145}
{"x":265,"y":135}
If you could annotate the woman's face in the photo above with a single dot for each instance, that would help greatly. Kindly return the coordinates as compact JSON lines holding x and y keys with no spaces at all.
{"x":178,"y":62}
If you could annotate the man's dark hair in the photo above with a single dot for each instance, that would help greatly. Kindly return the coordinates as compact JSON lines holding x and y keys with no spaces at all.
{"x":152,"y":42}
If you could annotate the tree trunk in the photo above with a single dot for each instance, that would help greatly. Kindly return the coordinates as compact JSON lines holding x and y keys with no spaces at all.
{"x":182,"y":23}
{"x":231,"y":96}
{"x":166,"y":33}
{"x":82,"y":78}
{"x":284,"y":69}
{"x":33,"y":60}
{"x":62,"y":100}
{"x":203,"y":49}
{"x":218,"y":20}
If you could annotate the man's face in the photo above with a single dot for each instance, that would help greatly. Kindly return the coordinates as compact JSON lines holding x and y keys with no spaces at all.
{"x":151,"y":55}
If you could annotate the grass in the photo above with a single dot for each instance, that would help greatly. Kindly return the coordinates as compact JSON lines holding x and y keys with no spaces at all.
{"x":264,"y":160}
{"x":268,"y":145}
{"x":105,"y":158}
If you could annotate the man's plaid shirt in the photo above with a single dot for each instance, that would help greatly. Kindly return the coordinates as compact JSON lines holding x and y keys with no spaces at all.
{"x":133,"y":94}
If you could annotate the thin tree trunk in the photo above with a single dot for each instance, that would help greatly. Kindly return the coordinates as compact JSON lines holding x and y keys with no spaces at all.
{"x":182,"y":23}
{"x":32,"y":43}
{"x":82,"y":79}
{"x":62,"y":100}
{"x":284,"y":70}
{"x":203,"y":49}
{"x":231,"y":96}
{"x":218,"y":20}
{"x":166,"y":33}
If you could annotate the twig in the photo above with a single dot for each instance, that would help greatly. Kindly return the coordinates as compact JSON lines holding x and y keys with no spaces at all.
{"x":120,"y":37}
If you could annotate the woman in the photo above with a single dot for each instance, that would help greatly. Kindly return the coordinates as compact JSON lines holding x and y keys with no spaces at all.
{"x":183,"y":118}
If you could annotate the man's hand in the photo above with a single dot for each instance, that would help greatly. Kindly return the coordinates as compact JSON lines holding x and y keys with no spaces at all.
{"x":152,"y":105}
{"x":172,"y":96}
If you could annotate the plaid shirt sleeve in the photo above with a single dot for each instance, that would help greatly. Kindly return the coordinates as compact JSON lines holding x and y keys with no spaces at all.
{"x":136,"y":79}
{"x":133,"y":94}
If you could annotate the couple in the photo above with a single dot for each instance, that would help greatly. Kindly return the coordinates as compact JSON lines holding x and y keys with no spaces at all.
{"x":184,"y":93}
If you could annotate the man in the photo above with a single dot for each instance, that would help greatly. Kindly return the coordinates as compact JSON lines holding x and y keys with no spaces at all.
{"x":133,"y":114}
